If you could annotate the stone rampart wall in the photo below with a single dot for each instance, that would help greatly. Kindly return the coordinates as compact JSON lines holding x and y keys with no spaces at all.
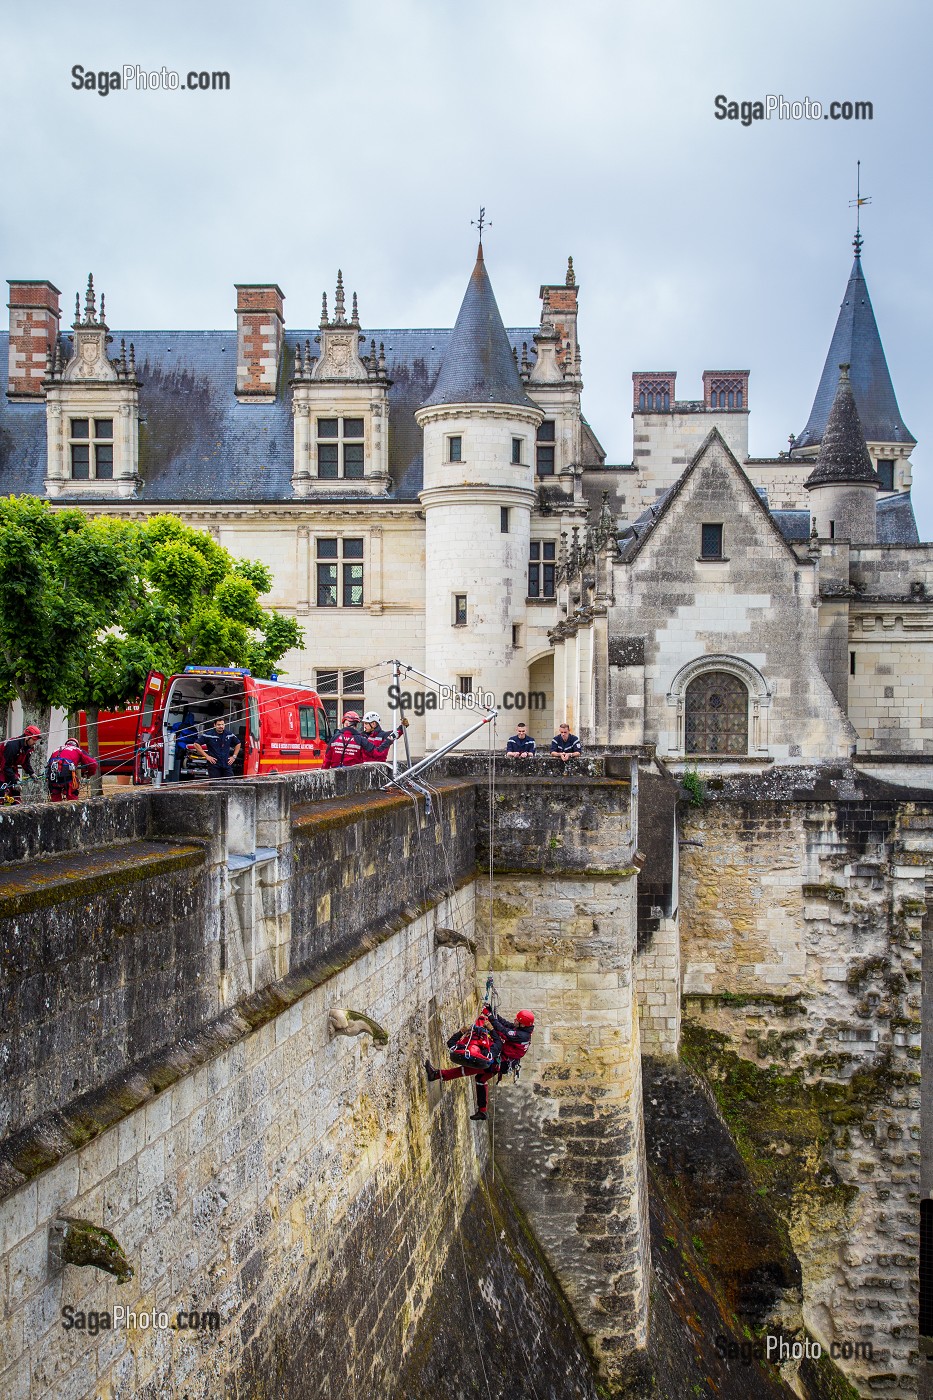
{"x":292,"y":1179}
{"x":800,"y":922}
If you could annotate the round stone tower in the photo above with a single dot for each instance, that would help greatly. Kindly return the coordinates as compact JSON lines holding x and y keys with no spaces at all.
{"x":479,"y":429}
{"x":844,"y":485}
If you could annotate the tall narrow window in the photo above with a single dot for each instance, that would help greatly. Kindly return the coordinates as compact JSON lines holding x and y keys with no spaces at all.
{"x":340,"y":449}
{"x":91,"y":449}
{"x":340,"y":573}
{"x":460,"y":610}
{"x":542,"y":566}
{"x":516,"y":452}
{"x":455,"y":449}
{"x":851,"y":663}
{"x":465,"y":685}
{"x":886,"y":475}
{"x":503,"y":520}
{"x":545,"y":442}
{"x":340,"y":691}
{"x":711,"y":542}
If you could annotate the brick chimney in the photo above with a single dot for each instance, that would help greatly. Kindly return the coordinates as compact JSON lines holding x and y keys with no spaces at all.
{"x":260,"y":328}
{"x":34,"y":322}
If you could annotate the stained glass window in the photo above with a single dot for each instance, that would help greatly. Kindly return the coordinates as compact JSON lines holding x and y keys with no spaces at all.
{"x":716,"y":714}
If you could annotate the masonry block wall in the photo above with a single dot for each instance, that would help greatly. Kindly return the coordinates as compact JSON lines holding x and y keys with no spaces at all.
{"x":571,"y":1137}
{"x":249,"y":1163}
{"x":287,"y":1180}
{"x":801,"y":909}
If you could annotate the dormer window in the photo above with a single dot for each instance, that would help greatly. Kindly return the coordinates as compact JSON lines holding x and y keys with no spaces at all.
{"x":886,"y":475}
{"x":340,"y":449}
{"x":91,"y":449}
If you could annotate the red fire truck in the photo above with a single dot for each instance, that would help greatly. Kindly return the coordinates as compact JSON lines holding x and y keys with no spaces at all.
{"x":281,"y":727}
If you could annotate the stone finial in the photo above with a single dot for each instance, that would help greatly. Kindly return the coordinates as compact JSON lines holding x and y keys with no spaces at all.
{"x":324,"y":309}
{"x":90,"y":307}
{"x":382,"y":360}
{"x":77,"y":319}
{"x":123,"y":368}
{"x":58,"y":358}
{"x":79,"y":1242}
{"x":345,"y":1021}
{"x":132,"y":365}
{"x":306,"y":362}
{"x":450,"y":938}
{"x":49,"y":362}
{"x":102,"y":315}
{"x":297,"y":374}
{"x":355,"y":314}
{"x":339,"y":304}
{"x":570,"y":279}
{"x":515,"y":356}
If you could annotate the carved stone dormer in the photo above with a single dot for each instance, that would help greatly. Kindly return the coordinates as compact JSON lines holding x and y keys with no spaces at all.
{"x":92,"y":410}
{"x":341,"y":408}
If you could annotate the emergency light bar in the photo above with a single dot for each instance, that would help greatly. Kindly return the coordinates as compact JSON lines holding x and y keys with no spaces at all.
{"x":216,"y":671}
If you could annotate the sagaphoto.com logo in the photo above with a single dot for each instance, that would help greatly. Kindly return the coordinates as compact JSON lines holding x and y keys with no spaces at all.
{"x":775,"y":105}
{"x":132,"y":78}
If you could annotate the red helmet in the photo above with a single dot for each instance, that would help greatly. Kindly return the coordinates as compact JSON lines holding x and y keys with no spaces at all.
{"x":524,"y":1018}
{"x":351,"y":717}
{"x":32,"y":731}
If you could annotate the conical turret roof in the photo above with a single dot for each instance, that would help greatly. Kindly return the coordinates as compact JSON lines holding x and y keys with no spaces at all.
{"x":843,"y":456}
{"x":478,"y":366}
{"x":856,"y":342}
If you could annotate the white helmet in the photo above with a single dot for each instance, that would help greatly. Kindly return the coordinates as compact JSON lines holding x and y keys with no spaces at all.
{"x":371,"y":717}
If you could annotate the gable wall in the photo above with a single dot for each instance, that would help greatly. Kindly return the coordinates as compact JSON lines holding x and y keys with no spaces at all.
{"x":756,"y":604}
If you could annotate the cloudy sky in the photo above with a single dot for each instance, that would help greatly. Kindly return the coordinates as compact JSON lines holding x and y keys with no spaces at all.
{"x":366,"y":135}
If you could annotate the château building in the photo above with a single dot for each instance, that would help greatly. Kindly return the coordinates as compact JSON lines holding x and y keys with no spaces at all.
{"x":438,"y":496}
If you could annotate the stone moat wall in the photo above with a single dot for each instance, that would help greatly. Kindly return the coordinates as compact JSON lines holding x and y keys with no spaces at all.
{"x":800,"y":918}
{"x":169,"y":963}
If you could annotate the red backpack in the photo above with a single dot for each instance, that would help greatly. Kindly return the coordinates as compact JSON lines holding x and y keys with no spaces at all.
{"x":473,"y":1049}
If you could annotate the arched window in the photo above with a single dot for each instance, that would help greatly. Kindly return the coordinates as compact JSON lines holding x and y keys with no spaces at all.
{"x":731,"y":398}
{"x":641,"y":399}
{"x":738,"y":398}
{"x":716,"y":714}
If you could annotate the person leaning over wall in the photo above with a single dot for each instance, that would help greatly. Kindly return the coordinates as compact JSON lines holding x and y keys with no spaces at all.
{"x":565,"y":745}
{"x":521,"y":744}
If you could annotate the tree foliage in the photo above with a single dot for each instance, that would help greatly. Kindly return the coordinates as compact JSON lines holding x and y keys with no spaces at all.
{"x":89,"y":606}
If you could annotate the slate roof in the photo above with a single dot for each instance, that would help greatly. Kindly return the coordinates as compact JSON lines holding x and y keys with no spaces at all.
{"x":794,"y":525}
{"x":895,"y":520}
{"x":478,"y":366}
{"x":198,"y":445}
{"x":856,"y":342}
{"x":843,"y":456}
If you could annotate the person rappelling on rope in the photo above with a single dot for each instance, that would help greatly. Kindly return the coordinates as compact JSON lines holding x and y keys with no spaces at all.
{"x":382,"y":738}
{"x":489,"y":1048}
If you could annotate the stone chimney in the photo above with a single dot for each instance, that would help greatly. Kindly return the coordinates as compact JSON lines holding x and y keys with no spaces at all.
{"x":260,"y":327}
{"x":34,"y":322}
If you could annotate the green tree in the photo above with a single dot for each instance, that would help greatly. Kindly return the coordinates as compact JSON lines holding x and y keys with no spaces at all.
{"x":193,"y":604}
{"x":63,"y":578}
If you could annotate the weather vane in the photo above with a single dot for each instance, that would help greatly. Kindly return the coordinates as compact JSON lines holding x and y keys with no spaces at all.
{"x":481,"y":221}
{"x":856,"y":204}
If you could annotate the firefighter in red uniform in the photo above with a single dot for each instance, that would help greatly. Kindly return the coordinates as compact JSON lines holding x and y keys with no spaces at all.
{"x":348,"y":746}
{"x":382,"y":738}
{"x":17,"y":754}
{"x":508,"y":1042}
{"x":65,"y":769}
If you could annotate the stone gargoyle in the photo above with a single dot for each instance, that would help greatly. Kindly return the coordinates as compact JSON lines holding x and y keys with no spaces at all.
{"x":345,"y":1021}
{"x":79,"y":1242}
{"x":450,"y":938}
